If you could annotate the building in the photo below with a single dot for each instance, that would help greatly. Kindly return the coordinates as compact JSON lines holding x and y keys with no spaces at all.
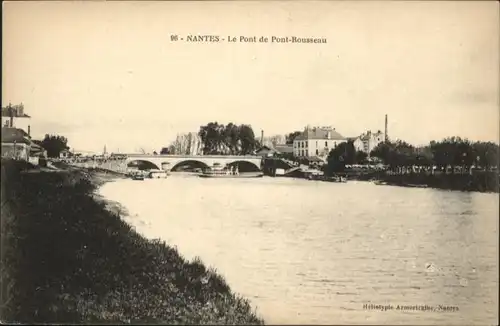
{"x":366,"y":142}
{"x":316,"y":141}
{"x":284,"y":149}
{"x":13,"y":116}
{"x":357,"y":143}
{"x":16,"y":135}
{"x":265,"y":151}
{"x":268,"y":150}
{"x":65,"y":153}
{"x":273,"y":141}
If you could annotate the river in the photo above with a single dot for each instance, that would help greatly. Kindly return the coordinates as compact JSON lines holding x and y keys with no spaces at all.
{"x":308,"y":252}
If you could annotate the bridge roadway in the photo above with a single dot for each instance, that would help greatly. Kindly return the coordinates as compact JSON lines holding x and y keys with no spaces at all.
{"x":169,"y":162}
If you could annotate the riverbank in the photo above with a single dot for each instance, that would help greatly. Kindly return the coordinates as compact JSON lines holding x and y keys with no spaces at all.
{"x":479,"y":181}
{"x":67,"y":258}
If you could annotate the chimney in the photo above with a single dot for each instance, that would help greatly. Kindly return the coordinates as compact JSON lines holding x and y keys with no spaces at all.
{"x":11,"y":114}
{"x":262,"y":137}
{"x":386,"y":135}
{"x":29,"y":131}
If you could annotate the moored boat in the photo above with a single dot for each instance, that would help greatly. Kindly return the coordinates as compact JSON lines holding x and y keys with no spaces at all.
{"x":338,"y":178}
{"x":136,"y":175}
{"x":242,"y":175}
{"x":157,"y":174}
{"x":219,"y":171}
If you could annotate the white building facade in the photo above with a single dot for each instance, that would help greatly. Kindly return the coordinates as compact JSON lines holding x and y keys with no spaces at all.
{"x":368,"y":141}
{"x":316,"y":141}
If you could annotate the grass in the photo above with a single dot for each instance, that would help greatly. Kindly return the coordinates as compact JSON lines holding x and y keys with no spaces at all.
{"x":67,"y":259}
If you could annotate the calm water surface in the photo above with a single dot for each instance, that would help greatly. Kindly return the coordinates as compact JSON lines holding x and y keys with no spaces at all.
{"x":314,"y":252}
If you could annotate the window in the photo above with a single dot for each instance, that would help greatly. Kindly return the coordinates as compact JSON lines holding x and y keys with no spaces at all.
{"x":316,"y":144}
{"x":317,"y":152}
{"x":326,"y":143}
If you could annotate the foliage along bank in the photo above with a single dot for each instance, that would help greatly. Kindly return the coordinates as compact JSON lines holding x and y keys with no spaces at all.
{"x":452,"y":163}
{"x":66,"y":258}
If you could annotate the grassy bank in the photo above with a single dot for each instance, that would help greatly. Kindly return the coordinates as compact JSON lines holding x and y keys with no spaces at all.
{"x":66,"y":259}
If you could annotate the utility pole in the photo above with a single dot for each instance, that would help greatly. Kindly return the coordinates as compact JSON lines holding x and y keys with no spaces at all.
{"x":386,"y":131}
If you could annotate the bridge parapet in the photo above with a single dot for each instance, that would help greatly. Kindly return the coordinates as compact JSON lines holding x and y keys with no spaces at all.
{"x":195,"y":156}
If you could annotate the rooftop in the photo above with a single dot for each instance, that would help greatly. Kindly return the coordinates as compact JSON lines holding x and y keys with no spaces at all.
{"x":283,"y":148}
{"x":10,"y":135}
{"x":369,"y":133}
{"x":320,"y":133}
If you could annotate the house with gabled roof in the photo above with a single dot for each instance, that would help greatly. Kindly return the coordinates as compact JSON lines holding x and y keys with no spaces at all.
{"x":16,"y":143}
{"x":317,"y":142}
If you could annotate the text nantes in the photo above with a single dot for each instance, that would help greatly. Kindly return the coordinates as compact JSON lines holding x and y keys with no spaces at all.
{"x":203,"y":38}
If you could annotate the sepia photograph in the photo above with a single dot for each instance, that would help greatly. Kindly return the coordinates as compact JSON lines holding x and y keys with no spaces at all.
{"x":250,"y":162}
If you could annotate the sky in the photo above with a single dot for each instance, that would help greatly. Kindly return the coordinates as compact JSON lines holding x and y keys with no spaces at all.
{"x":107,"y":73}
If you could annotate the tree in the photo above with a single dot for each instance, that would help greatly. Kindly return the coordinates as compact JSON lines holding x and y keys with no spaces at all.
{"x":339,"y":156}
{"x":399,"y":155}
{"x":54,"y":145}
{"x":274,"y":140}
{"x":247,"y":138}
{"x":453,"y":152}
{"x":231,"y":138}
{"x":360,"y":157}
{"x":212,"y":137}
{"x":486,"y":154}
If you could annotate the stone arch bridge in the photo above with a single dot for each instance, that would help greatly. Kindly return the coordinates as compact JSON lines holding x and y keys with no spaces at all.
{"x":171,"y":162}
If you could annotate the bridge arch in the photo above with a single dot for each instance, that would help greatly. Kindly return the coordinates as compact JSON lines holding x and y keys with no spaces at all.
{"x":244,"y":166}
{"x":191,"y":163}
{"x":142,"y":164}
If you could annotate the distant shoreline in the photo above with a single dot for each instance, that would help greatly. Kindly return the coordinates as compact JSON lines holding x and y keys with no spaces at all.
{"x":481,"y":181}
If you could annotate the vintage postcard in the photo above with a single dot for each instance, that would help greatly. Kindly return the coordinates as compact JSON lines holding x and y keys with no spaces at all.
{"x":250,"y":162}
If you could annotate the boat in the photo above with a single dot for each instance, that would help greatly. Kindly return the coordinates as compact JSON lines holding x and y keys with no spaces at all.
{"x":136,"y":175}
{"x":244,"y":175}
{"x":411,"y":185}
{"x":219,"y":171}
{"x":157,"y":174}
{"x":338,"y":178}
